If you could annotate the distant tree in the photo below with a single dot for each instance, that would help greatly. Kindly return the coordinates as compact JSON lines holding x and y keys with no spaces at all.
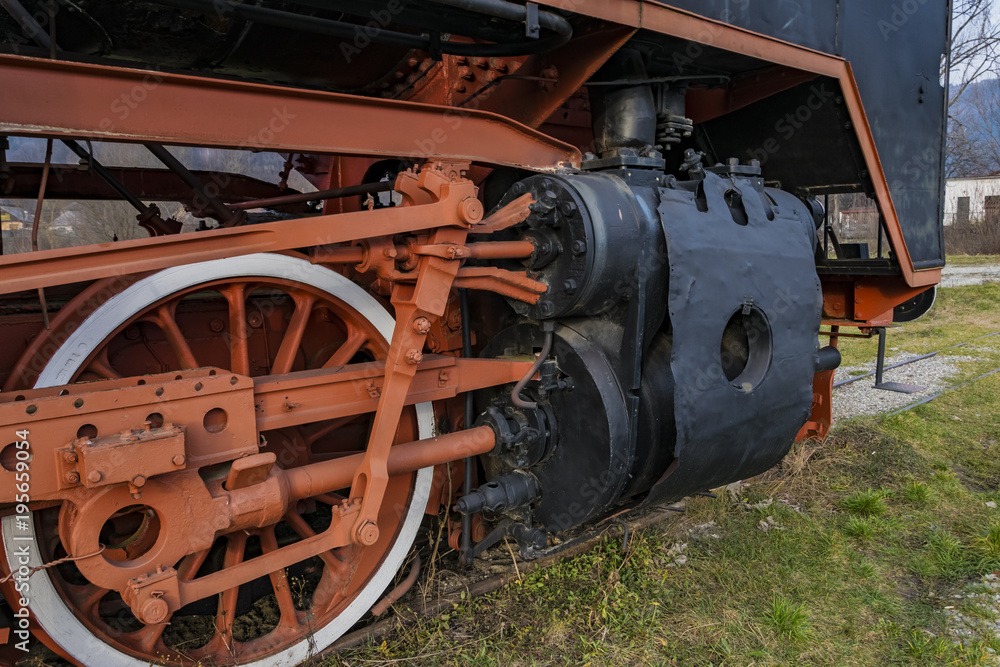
{"x":973,"y":147}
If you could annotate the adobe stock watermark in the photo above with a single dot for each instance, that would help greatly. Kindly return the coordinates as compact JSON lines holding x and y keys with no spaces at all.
{"x":19,"y":553}
{"x":899,"y":16}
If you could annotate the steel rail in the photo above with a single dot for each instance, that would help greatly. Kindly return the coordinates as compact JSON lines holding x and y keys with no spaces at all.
{"x":939,"y":394}
{"x":913,"y":360}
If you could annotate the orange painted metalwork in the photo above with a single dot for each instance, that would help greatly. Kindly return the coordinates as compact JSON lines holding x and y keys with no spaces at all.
{"x":865,"y":300}
{"x":203,"y":417}
{"x":72,"y":100}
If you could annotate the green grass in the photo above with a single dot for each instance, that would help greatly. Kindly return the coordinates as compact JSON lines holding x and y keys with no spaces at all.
{"x":973,"y":260}
{"x":881,"y":525}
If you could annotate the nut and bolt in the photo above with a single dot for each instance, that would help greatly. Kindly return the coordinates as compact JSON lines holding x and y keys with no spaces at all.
{"x":256,"y":320}
{"x":138,"y":481}
{"x":414,"y":357}
{"x":70,"y":457}
{"x":154,"y":611}
{"x":470,"y":210}
{"x":216,"y":326}
{"x":422,"y":325}
{"x":579,"y":247}
{"x":72,"y":477}
{"x":569,"y":286}
{"x":368,"y":534}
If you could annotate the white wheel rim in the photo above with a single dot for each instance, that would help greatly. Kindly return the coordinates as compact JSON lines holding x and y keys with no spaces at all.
{"x":50,"y":610}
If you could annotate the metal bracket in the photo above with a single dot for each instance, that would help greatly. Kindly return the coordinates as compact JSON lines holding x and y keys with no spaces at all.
{"x":531,"y":27}
{"x":900,"y":387}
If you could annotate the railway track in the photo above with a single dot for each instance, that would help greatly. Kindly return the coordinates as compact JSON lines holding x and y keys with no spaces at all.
{"x":916,"y":360}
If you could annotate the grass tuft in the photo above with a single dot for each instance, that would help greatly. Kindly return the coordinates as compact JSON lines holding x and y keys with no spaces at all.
{"x":865,"y":503}
{"x":917,"y":493}
{"x":789,"y":619}
{"x":860,"y":528}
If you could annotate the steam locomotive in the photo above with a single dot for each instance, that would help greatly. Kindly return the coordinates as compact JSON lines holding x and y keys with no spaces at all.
{"x":544,"y":259}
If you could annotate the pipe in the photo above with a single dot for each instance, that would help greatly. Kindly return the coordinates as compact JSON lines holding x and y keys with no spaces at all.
{"x":348,"y":31}
{"x":227,"y":217}
{"x":99,"y":169}
{"x":37,"y":223}
{"x":515,"y":394}
{"x":327,"y":476}
{"x":465,"y":552}
{"x":319,"y":195}
{"x":399,"y":591}
{"x":27,"y":22}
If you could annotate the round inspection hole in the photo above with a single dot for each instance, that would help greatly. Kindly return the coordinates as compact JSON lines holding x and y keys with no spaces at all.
{"x":216,"y":420}
{"x":78,"y":403}
{"x":155,"y":420}
{"x":11,"y":455}
{"x":199,"y":386}
{"x":746,"y":349}
{"x":31,"y":409}
{"x":159,"y":391}
{"x":88,"y":431}
{"x":140,"y":383}
{"x":130,"y":533}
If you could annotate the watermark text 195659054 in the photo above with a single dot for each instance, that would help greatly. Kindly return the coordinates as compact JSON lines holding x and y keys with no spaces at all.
{"x":20,"y":555}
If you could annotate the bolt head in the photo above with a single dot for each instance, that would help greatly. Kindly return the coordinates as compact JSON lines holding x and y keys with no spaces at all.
{"x":216,"y":326}
{"x":368,"y":534}
{"x":470,"y":210}
{"x":155,"y":610}
{"x":178,"y":460}
{"x":422,"y":325}
{"x":138,"y":481}
{"x":579,"y":247}
{"x":95,"y":476}
{"x":414,"y":357}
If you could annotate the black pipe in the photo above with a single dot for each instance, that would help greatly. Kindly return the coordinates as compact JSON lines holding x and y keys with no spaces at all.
{"x":228,"y":217}
{"x":465,"y":552}
{"x":312,"y":24}
{"x":318,"y":195}
{"x":106,"y":176}
{"x":149,"y":216}
{"x":27,"y":22}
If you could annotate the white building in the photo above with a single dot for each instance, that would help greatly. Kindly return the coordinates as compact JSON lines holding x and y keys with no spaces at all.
{"x":972,"y":200}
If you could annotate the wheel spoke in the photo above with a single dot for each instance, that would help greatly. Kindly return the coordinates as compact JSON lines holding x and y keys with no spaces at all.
{"x":239,"y":332}
{"x":235,"y":549}
{"x":100,"y":366}
{"x":356,"y":339}
{"x":290,"y":342}
{"x":279,"y":582}
{"x":304,"y":531}
{"x":168,"y":325}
